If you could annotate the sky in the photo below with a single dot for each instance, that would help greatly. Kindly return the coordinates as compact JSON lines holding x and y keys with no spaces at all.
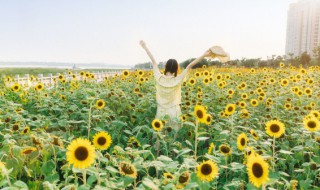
{"x":109,"y":31}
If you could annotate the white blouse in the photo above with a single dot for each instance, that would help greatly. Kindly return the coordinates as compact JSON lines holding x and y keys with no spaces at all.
{"x":168,"y":88}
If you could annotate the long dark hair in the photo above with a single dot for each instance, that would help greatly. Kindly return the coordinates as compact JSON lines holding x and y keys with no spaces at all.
{"x":172,"y":67}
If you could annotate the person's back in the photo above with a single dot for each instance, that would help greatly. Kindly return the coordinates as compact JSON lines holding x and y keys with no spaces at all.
{"x":168,"y":85}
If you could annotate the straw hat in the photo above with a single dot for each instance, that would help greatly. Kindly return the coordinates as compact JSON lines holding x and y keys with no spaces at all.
{"x":218,"y":52}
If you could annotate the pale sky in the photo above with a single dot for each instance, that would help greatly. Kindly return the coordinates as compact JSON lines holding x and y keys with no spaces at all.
{"x":108,"y":31}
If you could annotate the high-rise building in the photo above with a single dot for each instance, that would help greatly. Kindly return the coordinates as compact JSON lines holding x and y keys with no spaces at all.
{"x":303,"y":32}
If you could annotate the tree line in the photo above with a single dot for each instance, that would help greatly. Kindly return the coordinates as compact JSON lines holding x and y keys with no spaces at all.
{"x":304,"y":59}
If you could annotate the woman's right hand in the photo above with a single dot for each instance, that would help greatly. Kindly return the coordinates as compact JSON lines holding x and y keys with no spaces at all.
{"x":143,"y":44}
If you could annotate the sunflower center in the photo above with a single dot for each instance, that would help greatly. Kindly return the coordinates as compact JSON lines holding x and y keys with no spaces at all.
{"x":81,"y":153}
{"x":101,"y":141}
{"x":274,"y":128}
{"x":225,"y":149}
{"x":242,"y":141}
{"x":183,"y":178}
{"x":157,"y":124}
{"x":206,"y":169}
{"x":25,"y":130}
{"x":100,"y":104}
{"x":208,"y":119}
{"x":230,"y":109}
{"x":15,"y":127}
{"x":257,"y":170}
{"x":16,"y":87}
{"x":169,"y":176}
{"x":126,"y":168}
{"x":199,"y":114}
{"x":312,"y":124}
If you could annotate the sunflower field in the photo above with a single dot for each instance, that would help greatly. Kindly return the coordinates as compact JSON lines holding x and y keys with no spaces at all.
{"x":240,"y":129}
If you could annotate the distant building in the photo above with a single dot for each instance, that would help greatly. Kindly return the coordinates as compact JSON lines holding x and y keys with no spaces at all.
{"x":75,"y":67}
{"x":303,"y":33}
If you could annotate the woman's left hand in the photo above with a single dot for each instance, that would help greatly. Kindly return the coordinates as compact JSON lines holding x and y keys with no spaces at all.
{"x":207,"y":53}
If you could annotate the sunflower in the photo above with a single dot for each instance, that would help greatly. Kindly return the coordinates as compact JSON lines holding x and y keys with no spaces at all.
{"x":254,"y":102}
{"x":275,"y":128}
{"x":244,"y":96}
{"x":2,"y":168}
{"x":242,"y":104}
{"x":315,"y":113}
{"x":230,"y":109}
{"x":16,"y":87}
{"x":284,"y":82}
{"x":26,"y":151}
{"x":200,"y":113}
{"x":225,"y":149}
{"x":80,"y":153}
{"x":136,"y":90}
{"x":100,"y":104}
{"x":308,"y":91}
{"x":133,"y":141}
{"x":254,"y":134}
{"x":257,"y":170}
{"x":125,"y":73}
{"x":192,"y":81}
{"x":140,"y":73}
{"x":249,"y":151}
{"x":207,"y":170}
{"x":287,"y":106}
{"x":39,"y":86}
{"x":242,"y":141}
{"x":168,"y":175}
{"x":128,"y":169}
{"x":157,"y":125}
{"x":281,"y":64}
{"x":25,"y":130}
{"x":230,"y":91}
{"x":244,"y":113}
{"x":184,"y":178}
{"x":311,"y":123}
{"x":208,"y":119}
{"x":102,"y":140}
{"x":211,"y":148}
{"x":15,"y":127}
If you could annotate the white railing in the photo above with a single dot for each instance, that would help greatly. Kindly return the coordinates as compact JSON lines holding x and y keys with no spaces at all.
{"x":49,"y":81}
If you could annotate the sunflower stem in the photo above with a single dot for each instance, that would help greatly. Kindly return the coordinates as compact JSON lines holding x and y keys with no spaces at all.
{"x":273,"y":151}
{"x":226,"y":167}
{"x":89,"y":120}
{"x":7,"y":176}
{"x":84,"y":173}
{"x":196,"y":140}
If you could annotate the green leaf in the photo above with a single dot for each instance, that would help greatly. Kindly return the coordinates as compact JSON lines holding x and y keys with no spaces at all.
{"x":183,"y":151}
{"x":285,"y":152}
{"x":164,"y":158}
{"x":21,"y":185}
{"x":236,"y":166}
{"x":148,"y":183}
{"x":202,"y":138}
{"x":111,"y":169}
{"x":297,"y":148}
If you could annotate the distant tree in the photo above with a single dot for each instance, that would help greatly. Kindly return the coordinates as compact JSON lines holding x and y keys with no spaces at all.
{"x":146,"y":65}
{"x":305,"y":59}
{"x":316,"y":52}
{"x":199,"y":65}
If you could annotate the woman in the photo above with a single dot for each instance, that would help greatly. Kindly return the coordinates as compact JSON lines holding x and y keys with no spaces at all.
{"x":168,"y":85}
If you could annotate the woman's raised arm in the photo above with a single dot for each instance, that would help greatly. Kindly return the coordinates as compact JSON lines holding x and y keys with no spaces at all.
{"x":144,"y":46}
{"x":194,"y":62}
